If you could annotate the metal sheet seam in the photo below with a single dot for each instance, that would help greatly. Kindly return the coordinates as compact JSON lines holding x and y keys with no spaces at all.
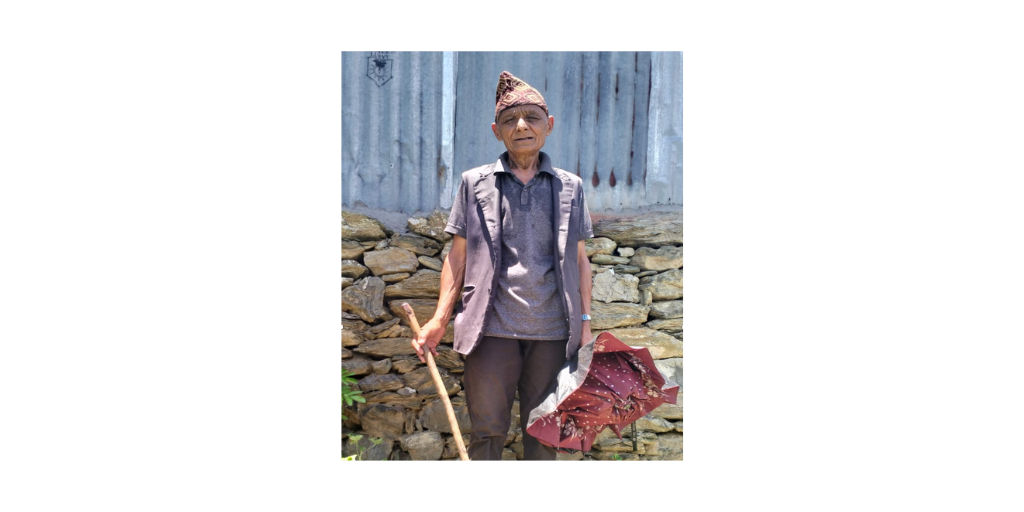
{"x":448,"y":128}
{"x":653,"y":177}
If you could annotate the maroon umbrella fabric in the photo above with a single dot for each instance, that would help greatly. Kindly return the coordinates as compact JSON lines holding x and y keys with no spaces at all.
{"x":607,"y":384}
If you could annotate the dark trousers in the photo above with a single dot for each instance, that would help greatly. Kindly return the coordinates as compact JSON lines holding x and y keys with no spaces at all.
{"x":494,"y":370}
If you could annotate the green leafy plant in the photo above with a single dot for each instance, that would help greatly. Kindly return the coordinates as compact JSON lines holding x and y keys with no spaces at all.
{"x":359,"y":449}
{"x":349,"y":394}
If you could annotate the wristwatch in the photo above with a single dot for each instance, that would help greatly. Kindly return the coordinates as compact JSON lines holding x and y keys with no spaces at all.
{"x":586,"y":317}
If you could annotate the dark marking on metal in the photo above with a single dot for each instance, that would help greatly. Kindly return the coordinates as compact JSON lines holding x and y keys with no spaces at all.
{"x":596,"y":180}
{"x":632,"y":141}
{"x":597,"y":119}
{"x":616,"y":85}
{"x":611,"y":180}
{"x":380,"y":67}
{"x":582,"y":78}
{"x":421,"y":104}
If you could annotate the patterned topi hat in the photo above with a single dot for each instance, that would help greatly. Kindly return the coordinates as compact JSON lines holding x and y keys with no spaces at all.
{"x":513,"y":91}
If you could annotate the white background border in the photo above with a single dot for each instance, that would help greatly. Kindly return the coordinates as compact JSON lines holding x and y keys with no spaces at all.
{"x":169,"y":212}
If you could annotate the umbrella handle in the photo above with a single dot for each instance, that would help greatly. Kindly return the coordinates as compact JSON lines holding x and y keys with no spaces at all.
{"x":441,"y":390}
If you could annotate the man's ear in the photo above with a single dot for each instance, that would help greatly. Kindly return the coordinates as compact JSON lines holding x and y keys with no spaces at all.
{"x":494,"y":128}
{"x":551,"y":124}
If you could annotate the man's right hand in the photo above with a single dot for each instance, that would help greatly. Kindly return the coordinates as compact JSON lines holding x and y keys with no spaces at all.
{"x":452,"y":274}
{"x":430,"y":335}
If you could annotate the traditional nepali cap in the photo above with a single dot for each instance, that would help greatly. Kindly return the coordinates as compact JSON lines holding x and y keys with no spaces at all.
{"x":513,"y":91}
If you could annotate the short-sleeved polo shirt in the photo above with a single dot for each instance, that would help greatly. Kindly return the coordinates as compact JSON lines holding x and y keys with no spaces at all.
{"x":527,"y":304}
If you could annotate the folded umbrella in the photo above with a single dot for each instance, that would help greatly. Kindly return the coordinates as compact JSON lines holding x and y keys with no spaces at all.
{"x":606,"y":384}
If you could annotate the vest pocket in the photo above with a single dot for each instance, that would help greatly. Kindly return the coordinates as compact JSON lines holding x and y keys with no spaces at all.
{"x":467,"y":293}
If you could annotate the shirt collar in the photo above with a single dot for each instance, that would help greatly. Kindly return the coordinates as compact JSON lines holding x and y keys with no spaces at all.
{"x":543,"y":165}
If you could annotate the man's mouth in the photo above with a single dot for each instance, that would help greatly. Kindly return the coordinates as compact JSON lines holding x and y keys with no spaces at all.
{"x":524,"y":138}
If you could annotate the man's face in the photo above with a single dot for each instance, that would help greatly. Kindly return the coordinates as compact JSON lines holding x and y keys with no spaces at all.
{"x":523,"y":128}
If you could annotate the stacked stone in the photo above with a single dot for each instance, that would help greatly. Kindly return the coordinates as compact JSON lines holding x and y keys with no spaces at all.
{"x":381,"y":270}
{"x":637,"y":267}
{"x":637,"y":271}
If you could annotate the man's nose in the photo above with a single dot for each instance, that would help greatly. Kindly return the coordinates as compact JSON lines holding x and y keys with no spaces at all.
{"x":521,"y":123}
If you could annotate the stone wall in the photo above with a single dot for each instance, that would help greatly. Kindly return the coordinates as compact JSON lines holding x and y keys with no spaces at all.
{"x":638,"y":296}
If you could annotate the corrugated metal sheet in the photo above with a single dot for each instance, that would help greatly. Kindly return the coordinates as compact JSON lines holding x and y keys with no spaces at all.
{"x":600,"y":104}
{"x":618,"y":124}
{"x":391,"y":133}
{"x":664,"y":182}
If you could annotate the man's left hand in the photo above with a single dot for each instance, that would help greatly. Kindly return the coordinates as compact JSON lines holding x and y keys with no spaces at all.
{"x":587,"y":336}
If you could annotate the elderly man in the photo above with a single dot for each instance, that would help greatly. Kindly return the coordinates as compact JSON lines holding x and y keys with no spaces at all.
{"x":519,"y":262}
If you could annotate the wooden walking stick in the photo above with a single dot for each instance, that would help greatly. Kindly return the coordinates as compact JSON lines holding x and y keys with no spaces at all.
{"x":441,"y":390}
